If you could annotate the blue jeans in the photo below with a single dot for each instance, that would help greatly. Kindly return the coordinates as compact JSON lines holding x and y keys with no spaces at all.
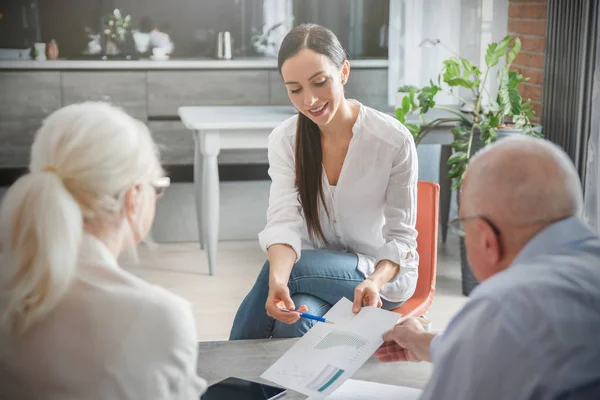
{"x":319,"y":279}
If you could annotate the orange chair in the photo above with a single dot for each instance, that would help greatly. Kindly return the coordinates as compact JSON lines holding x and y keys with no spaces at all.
{"x":428,"y":198}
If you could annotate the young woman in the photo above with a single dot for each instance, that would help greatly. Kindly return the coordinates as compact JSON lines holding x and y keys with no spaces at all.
{"x":342,"y":208}
{"x":73,"y":324}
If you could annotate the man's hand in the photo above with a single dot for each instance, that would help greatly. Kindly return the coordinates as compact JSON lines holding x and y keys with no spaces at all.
{"x":366,"y":294}
{"x":279,"y":297}
{"x":407,"y":341}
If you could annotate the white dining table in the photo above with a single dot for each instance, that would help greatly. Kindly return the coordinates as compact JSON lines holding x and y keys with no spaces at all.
{"x":240,"y":127}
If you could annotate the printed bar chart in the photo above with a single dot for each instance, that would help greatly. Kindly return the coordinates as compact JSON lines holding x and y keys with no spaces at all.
{"x":341,"y":339}
{"x":325,"y":379}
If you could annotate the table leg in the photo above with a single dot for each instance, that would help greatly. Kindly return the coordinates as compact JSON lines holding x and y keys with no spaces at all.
{"x":198,"y":186}
{"x":210,"y":195}
{"x":445,"y":190}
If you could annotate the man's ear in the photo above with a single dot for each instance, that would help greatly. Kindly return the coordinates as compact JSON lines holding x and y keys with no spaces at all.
{"x":491,"y":242}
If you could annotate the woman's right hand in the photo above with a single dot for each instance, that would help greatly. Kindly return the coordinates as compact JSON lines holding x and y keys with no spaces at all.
{"x":278,"y":298}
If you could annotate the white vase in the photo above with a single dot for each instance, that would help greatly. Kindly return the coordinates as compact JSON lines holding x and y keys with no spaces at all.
{"x":40,"y":51}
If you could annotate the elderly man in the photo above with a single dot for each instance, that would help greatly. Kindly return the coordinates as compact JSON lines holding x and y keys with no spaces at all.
{"x":531,"y":329}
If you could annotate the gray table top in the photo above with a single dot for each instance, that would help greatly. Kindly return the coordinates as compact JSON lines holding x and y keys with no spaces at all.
{"x":248,"y":359}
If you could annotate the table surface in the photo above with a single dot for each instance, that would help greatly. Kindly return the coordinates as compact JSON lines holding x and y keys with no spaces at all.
{"x":248,"y":359}
{"x":234,"y":117}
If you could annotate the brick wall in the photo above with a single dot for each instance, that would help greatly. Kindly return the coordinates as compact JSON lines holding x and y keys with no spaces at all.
{"x":527,"y":20}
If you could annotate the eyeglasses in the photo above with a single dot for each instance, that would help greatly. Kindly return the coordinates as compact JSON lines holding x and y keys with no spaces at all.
{"x":457,"y":224}
{"x":160,"y":185}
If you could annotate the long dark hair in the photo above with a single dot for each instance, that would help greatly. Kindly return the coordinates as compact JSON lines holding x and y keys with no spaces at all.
{"x":309,"y":155}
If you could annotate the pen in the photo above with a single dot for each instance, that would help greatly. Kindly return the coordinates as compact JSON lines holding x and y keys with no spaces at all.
{"x":308,"y":316}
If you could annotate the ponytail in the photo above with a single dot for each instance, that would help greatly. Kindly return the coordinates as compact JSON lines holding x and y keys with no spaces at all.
{"x":309,"y":174}
{"x":41,"y":227}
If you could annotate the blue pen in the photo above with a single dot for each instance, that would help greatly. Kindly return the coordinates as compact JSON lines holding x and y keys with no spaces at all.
{"x":308,"y":316}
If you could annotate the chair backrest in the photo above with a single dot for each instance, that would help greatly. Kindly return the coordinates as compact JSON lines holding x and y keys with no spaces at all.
{"x":428,"y":198}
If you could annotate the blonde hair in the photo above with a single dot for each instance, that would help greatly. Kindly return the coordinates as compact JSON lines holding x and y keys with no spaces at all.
{"x":83,"y":160}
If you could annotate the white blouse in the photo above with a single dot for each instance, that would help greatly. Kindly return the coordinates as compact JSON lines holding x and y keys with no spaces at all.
{"x":114,"y":336}
{"x":374,"y":210}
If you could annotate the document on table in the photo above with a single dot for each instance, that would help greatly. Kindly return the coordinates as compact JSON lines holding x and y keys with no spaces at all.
{"x":329,"y":354}
{"x":363,"y":390}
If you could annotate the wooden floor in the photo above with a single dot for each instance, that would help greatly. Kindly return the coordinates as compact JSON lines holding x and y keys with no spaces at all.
{"x":182,"y":268}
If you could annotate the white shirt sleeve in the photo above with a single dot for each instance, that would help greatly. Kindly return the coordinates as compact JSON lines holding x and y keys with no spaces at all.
{"x":284,"y":218}
{"x":400,"y":219}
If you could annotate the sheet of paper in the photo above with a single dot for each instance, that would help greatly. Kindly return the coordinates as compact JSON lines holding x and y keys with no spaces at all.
{"x":363,"y":390}
{"x":329,"y":354}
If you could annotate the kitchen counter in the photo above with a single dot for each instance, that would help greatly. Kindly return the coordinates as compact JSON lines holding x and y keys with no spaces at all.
{"x":176,"y":63}
{"x":152,"y":91}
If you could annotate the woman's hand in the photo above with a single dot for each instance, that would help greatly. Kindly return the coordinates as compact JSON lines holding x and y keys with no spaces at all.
{"x":278,"y":298}
{"x":366,"y":294}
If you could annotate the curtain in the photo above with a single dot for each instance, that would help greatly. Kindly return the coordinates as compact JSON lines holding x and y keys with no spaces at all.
{"x":275,"y":12}
{"x":592,"y":176}
{"x":463,"y":27}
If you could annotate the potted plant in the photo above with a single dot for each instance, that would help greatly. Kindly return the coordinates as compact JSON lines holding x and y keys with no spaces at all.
{"x":404,"y":93}
{"x":486,"y":120}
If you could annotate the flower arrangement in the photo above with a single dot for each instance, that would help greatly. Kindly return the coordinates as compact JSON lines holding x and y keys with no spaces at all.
{"x":115,"y":25}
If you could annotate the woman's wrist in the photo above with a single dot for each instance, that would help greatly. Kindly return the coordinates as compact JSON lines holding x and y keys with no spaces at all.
{"x":277,"y":282}
{"x":385,"y":270}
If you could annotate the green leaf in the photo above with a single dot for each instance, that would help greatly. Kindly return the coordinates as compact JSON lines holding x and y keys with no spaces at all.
{"x":466,"y":64}
{"x":494,"y":121}
{"x":512,"y":54}
{"x":459,"y":144}
{"x":484,"y":131}
{"x":490,"y":55}
{"x":457,"y":183}
{"x":406,"y":105}
{"x":458,"y":81}
{"x":400,"y":115}
{"x":426,"y":97}
{"x":503,"y":46}
{"x":459,"y":156}
{"x":515,"y":101}
{"x":515,"y":79}
{"x":411,"y":96}
{"x":455,"y":171}
{"x":414,"y":130}
{"x":451,"y":70}
{"x":519,"y":121}
{"x":491,"y":136}
{"x":459,"y":131}
{"x":503,"y":93}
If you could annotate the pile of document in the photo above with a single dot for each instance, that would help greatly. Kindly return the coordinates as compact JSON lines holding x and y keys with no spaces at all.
{"x":320,"y":364}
